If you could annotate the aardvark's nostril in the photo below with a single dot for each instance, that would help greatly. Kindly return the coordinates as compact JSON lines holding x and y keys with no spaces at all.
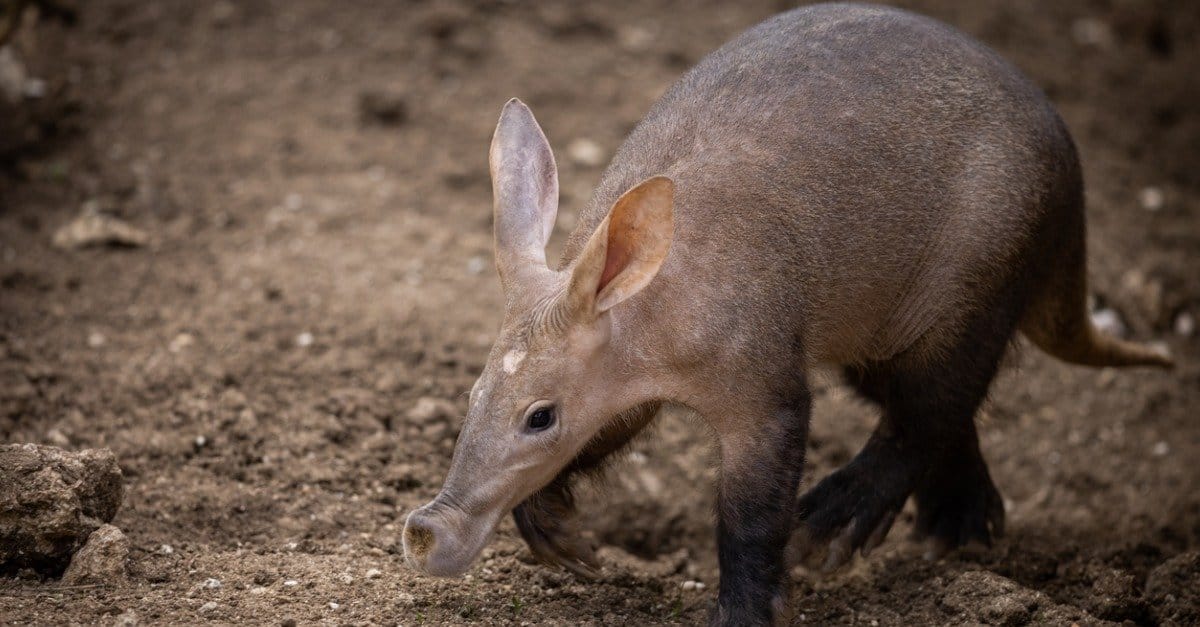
{"x":418,"y":539}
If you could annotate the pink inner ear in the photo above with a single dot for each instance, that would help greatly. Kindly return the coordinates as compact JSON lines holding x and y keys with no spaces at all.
{"x":615,"y":259}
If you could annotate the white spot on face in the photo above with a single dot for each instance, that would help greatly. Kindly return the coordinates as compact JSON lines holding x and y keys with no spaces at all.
{"x":511,"y":360}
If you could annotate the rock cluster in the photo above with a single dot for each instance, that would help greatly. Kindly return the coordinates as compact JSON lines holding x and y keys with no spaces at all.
{"x":51,"y":501}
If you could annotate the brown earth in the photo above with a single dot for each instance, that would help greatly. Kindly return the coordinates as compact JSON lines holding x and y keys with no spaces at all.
{"x":313,"y":177}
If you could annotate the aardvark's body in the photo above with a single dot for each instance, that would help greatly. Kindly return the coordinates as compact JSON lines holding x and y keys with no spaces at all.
{"x":841,"y":185}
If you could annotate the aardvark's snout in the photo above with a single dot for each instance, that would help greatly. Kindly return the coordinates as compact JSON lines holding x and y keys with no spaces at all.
{"x":443,"y":541}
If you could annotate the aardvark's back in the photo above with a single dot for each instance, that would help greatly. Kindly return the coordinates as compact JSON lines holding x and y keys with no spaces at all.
{"x":868,"y":175}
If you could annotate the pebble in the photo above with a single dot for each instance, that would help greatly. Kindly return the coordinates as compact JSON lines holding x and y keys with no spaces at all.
{"x":1185,"y":324}
{"x":304,"y":340}
{"x":12,"y":74}
{"x":585,"y":152}
{"x":476,"y":264}
{"x":34,"y":88}
{"x":429,"y":409}
{"x":692,"y":585}
{"x":181,"y":341}
{"x":374,"y":573}
{"x":58,"y":438}
{"x":166,"y":549}
{"x":435,"y":431}
{"x":201,"y":441}
{"x":347,"y":578}
{"x":333,"y":606}
{"x":635,"y":38}
{"x":1109,"y":322}
{"x":93,"y":228}
{"x":223,"y":13}
{"x":291,"y":583}
{"x":1091,"y":31}
{"x":96,"y":339}
{"x":212,"y":584}
{"x":208,"y":607}
{"x":1161,"y":449}
{"x":1152,"y":198}
{"x":258,"y":590}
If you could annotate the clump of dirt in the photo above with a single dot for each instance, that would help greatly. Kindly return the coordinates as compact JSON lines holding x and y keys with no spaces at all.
{"x":51,"y":500}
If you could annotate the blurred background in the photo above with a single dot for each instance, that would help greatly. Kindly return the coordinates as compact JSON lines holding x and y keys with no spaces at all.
{"x":247,"y":246}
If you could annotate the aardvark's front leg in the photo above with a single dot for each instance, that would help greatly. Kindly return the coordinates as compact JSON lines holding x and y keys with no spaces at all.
{"x":762,"y":455}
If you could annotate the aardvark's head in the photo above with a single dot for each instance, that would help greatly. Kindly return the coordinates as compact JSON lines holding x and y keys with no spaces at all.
{"x":553,"y":379}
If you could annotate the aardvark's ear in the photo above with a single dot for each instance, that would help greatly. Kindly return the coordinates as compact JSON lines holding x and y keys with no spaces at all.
{"x":627,"y":249}
{"x":524,"y":191}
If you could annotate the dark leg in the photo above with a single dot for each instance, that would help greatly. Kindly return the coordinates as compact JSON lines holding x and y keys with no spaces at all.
{"x":546,"y":519}
{"x":854,"y":507}
{"x":761,"y":463}
{"x":925,"y":444}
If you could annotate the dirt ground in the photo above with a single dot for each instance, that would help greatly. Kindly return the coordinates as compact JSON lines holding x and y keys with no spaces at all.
{"x":313,"y":178}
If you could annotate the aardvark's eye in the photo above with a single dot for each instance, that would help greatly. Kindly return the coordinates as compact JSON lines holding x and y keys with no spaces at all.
{"x":541,"y":419}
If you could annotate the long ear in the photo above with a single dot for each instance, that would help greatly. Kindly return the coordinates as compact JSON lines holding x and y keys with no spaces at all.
{"x":627,"y":249}
{"x":524,"y":190}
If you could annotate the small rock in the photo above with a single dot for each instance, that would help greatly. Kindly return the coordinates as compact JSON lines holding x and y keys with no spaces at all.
{"x":1091,"y":31}
{"x":34,"y":88}
{"x":212,"y":583}
{"x":1152,"y":198}
{"x":92,"y":228}
{"x":374,"y":573}
{"x":96,"y":339}
{"x":585,"y":152}
{"x":333,"y":605}
{"x":101,"y":561}
{"x":1109,"y":322}
{"x":382,"y":108}
{"x":435,"y":431}
{"x":58,"y":438}
{"x":200,"y":442}
{"x":223,"y":13}
{"x":209,"y":607}
{"x":258,"y":590}
{"x":165,"y":549}
{"x":429,"y":409}
{"x":304,"y":340}
{"x":1185,"y":324}
{"x":347,"y":578}
{"x":181,"y":342}
{"x":128,"y":618}
{"x":291,"y":583}
{"x":634,"y":38}
{"x":476,"y":264}
{"x":1161,"y":449}
{"x":12,"y":74}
